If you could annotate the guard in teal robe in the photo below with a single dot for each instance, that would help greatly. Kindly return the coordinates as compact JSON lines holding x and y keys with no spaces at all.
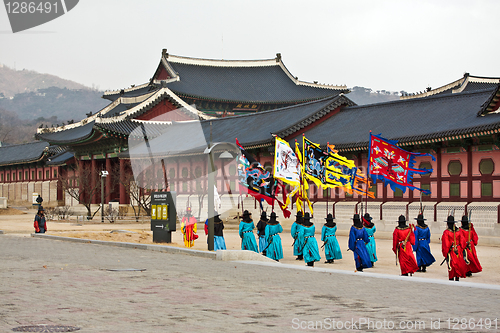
{"x":246,"y":233}
{"x":370,"y":230}
{"x":310,"y":250}
{"x":297,"y":232}
{"x":274,"y":248}
{"x":358,"y":238}
{"x":261,"y":231}
{"x":330,"y":242}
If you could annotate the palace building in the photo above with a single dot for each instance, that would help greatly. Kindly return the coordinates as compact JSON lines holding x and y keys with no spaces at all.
{"x":250,"y":100}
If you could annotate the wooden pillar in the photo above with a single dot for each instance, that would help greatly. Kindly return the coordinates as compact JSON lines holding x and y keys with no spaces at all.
{"x":469,"y":174}
{"x":123,"y":193}
{"x":93,"y":180}
{"x":108,"y":181}
{"x":80,"y":167}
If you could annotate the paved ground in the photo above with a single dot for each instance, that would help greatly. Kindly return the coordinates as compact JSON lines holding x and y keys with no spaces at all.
{"x":62,"y":283}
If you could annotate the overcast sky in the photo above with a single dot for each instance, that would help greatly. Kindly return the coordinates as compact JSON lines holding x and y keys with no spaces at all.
{"x":391,"y":45}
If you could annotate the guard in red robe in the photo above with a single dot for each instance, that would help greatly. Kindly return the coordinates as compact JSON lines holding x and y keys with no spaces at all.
{"x":402,"y":241}
{"x":452,"y":246}
{"x":469,"y":236}
{"x":188,"y":227}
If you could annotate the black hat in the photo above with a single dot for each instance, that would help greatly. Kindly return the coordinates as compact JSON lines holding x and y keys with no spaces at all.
{"x":420,"y":217}
{"x":401,"y":219}
{"x":263,"y":216}
{"x":41,"y":209}
{"x":367,"y":217}
{"x":356,"y":218}
{"x":329,"y":220}
{"x":272,"y":219}
{"x":246,"y":213}
{"x":307,"y":220}
{"x":451,"y":219}
{"x":465,"y":219}
{"x":299,"y":214}
{"x":217,"y":218}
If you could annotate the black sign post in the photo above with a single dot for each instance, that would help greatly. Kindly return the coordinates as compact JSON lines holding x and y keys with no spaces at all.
{"x":163,"y":216}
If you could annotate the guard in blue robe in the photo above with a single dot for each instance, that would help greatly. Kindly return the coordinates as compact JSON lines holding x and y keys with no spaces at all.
{"x":261,"y":231}
{"x":358,"y":238}
{"x":274,"y":248}
{"x":310,"y":250}
{"x":370,"y":230}
{"x":297,"y":232}
{"x":219,"y":242}
{"x":330,"y":242}
{"x":246,"y":233}
{"x":421,"y":247}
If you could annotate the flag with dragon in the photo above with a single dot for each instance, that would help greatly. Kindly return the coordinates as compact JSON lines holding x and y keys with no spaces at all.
{"x":393,"y":165}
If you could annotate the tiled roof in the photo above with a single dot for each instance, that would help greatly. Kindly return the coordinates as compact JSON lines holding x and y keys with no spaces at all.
{"x":252,"y":130}
{"x":60,"y":159}
{"x":409,"y":121}
{"x":251,"y":82}
{"x":71,"y":135}
{"x":23,"y":153}
{"x":129,"y":92}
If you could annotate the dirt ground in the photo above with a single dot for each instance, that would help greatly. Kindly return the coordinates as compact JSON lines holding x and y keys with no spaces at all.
{"x":22,"y":225}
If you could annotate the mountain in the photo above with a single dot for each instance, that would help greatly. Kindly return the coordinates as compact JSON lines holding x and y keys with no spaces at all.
{"x":363,"y":96}
{"x":32,"y":95}
{"x":13,"y":81}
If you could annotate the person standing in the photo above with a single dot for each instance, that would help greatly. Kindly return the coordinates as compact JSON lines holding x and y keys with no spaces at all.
{"x":469,"y":235}
{"x":330,"y":242}
{"x":371,"y":247}
{"x":297,"y":232}
{"x":39,"y":201}
{"x":402,"y":241}
{"x":261,"y":231}
{"x":246,"y":233}
{"x":189,"y":228}
{"x":219,"y":242}
{"x":310,"y":249}
{"x":358,"y":238}
{"x":274,"y":248}
{"x":452,"y":249}
{"x":422,"y":247}
{"x":40,"y":223}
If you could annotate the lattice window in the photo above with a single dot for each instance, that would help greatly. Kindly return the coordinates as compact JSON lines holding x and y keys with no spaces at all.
{"x":454,"y":168}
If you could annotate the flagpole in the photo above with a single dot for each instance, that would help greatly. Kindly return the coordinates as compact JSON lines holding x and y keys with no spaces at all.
{"x":302,"y":174}
{"x":367,"y":173}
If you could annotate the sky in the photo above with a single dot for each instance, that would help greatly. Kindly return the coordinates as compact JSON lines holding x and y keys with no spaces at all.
{"x":389,"y":45}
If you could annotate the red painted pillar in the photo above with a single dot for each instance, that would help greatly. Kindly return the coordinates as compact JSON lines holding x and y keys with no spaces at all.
{"x":123,"y":193}
{"x":108,"y":189}
{"x":93,"y":180}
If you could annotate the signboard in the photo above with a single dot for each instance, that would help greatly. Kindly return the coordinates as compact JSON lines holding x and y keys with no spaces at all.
{"x":35,"y":195}
{"x":163,"y":212}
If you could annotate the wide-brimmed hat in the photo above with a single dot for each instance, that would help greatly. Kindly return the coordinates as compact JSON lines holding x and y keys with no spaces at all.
{"x":420,"y":217}
{"x":246,"y":213}
{"x":329,"y":220}
{"x":307,"y":220}
{"x":272,"y":218}
{"x":465,"y":219}
{"x":263,"y":217}
{"x":367,"y":217}
{"x":299,"y":214}
{"x":217,"y":218}
{"x":401,"y":219}
{"x":356,"y":218}
{"x":450,"y":219}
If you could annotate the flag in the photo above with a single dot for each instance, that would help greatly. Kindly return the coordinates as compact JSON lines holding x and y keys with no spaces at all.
{"x":393,"y":165}
{"x":286,"y":164}
{"x":329,"y":169}
{"x":304,"y":186}
{"x":255,"y":180}
{"x":286,"y":168}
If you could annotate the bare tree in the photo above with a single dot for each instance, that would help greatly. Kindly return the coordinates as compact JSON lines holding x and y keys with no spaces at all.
{"x":77,"y":183}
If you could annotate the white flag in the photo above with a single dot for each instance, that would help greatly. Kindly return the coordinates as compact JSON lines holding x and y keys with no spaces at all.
{"x":286,"y":163}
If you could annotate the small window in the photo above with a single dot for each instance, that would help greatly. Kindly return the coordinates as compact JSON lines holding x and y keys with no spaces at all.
{"x":454,"y":189}
{"x":326,"y":193}
{"x":55,"y":173}
{"x":32,"y":175}
{"x":232,"y":185}
{"x":197,"y":172}
{"x":185,"y":172}
{"x":184,"y":186}
{"x":26,"y":175}
{"x":486,"y":189}
{"x":20,"y":175}
{"x":486,"y":166}
{"x":398,"y":193}
{"x":1,"y":177}
{"x":13,"y":176}
{"x":426,"y":187}
{"x":454,"y":168}
{"x":425,"y":165}
{"x":47,"y":174}
{"x":8,"y":177}
{"x":39,"y":175}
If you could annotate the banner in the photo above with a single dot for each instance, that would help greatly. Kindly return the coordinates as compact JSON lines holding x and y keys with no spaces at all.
{"x":393,"y":165}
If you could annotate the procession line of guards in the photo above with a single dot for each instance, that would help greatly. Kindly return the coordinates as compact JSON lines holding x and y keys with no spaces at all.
{"x":458,"y":244}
